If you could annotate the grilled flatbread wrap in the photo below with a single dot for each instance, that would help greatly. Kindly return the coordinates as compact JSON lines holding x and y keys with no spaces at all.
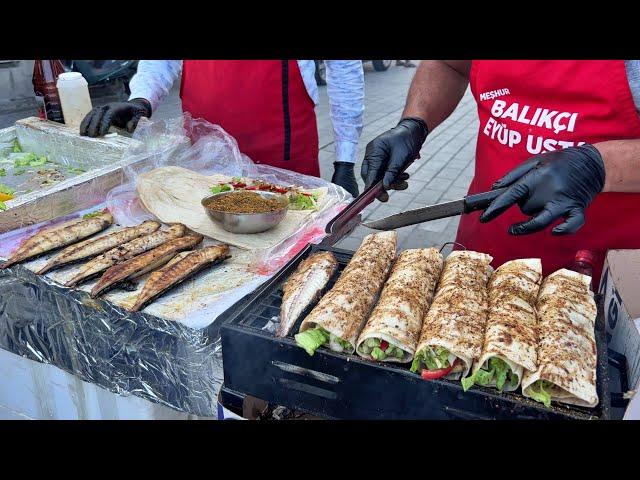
{"x":391,"y":334}
{"x":510,"y":339}
{"x":566,"y":347}
{"x":453,"y":328}
{"x":340,"y":315}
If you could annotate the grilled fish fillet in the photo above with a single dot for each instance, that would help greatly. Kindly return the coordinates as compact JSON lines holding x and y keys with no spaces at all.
{"x":96,"y":246}
{"x":144,"y":263}
{"x":344,"y":309}
{"x":405,"y":299}
{"x":173,"y":274}
{"x":567,"y":353}
{"x":304,"y":287}
{"x":458,"y":314}
{"x":511,"y":332}
{"x":125,"y":252}
{"x":60,"y":236}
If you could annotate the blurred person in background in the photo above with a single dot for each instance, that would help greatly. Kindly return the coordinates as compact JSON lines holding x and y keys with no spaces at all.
{"x":405,"y":63}
{"x":268,"y":106}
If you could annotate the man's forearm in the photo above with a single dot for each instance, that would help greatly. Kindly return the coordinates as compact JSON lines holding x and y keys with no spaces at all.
{"x":436,"y":90}
{"x":622,"y":165}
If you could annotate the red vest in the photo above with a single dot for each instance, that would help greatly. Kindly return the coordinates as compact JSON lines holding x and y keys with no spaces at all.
{"x":263,"y":104}
{"x":530,"y":107}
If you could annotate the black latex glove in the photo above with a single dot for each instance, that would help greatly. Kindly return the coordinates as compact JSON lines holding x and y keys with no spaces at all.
{"x":120,"y":114}
{"x":343,"y":175}
{"x":391,"y":152}
{"x":557,"y":184}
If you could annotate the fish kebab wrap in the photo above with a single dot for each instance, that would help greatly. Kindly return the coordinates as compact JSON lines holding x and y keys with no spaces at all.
{"x":453,"y":329}
{"x":510,"y":339}
{"x":392,"y":332}
{"x":339,"y":316}
{"x":566,"y":347}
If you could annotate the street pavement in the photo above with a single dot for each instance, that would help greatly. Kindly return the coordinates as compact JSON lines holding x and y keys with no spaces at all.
{"x":443,"y":172}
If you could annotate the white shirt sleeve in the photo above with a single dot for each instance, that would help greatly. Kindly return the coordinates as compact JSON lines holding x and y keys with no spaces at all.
{"x":345,"y":88}
{"x":154,"y":80}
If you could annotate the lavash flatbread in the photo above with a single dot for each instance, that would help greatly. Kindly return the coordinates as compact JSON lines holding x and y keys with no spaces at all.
{"x":345,"y":308}
{"x":173,"y":194}
{"x":405,"y":298}
{"x":458,"y":313}
{"x":566,"y":347}
{"x":511,"y":331}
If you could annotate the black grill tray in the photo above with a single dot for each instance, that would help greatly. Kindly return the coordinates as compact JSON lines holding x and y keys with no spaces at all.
{"x":340,"y":386}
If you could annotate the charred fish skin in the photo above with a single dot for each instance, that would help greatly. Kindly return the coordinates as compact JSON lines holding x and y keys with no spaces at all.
{"x":304,"y":287}
{"x":144,"y":263}
{"x":124,"y":252}
{"x":170,"y":276}
{"x":96,"y":246}
{"x":58,"y":237}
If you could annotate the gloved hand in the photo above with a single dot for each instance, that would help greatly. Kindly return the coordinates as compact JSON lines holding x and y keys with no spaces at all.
{"x":391,"y":152}
{"x":121,"y":114}
{"x":556,"y":184}
{"x":343,"y":175}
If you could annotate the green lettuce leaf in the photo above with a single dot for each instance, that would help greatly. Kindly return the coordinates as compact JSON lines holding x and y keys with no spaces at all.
{"x":16,"y":146}
{"x":299,"y":201}
{"x":3,"y":172}
{"x":541,"y":395}
{"x":3,"y":206}
{"x":221,"y":188}
{"x":6,"y":190}
{"x":468,"y":382}
{"x":498,"y":369}
{"x":378,"y":354}
{"x":24,"y":159}
{"x":92,"y":214}
{"x":312,"y":339}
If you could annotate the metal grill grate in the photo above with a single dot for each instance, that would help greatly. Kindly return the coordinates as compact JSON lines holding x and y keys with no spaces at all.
{"x":337,"y":385}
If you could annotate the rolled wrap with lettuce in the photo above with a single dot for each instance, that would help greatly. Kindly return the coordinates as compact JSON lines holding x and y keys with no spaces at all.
{"x":339,"y":316}
{"x":510,"y":339}
{"x":567,"y":357}
{"x":453,"y":329}
{"x":391,"y":334}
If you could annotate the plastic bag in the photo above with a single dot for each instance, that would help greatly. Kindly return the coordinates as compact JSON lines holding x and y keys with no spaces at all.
{"x":213,"y":150}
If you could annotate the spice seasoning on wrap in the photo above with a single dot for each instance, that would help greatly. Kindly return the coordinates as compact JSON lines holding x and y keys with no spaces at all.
{"x":244,"y":202}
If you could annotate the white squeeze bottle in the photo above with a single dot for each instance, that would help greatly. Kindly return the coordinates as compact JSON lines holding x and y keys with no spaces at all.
{"x":74,"y":97}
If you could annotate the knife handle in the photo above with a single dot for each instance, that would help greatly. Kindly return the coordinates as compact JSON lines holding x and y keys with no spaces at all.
{"x":480,"y":201}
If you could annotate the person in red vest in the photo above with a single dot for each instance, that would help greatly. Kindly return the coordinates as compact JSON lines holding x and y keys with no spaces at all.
{"x":562,"y":136}
{"x":268,"y":106}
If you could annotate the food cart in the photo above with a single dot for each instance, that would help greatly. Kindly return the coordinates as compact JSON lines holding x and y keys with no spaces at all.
{"x":205,"y":348}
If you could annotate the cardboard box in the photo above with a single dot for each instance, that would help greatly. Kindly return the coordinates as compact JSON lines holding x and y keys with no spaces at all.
{"x":620,"y":285}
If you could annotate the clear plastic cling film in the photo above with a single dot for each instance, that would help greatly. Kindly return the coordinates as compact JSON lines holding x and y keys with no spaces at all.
{"x":213,"y":151}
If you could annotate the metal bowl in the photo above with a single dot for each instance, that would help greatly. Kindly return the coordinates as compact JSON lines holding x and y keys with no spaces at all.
{"x":247,"y":222}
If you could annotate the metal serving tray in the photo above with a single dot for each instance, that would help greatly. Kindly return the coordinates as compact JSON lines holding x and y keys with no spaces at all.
{"x":340,"y":386}
{"x":103,"y":157}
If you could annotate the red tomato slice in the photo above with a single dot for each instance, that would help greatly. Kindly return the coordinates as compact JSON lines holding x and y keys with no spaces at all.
{"x":384,"y":345}
{"x":441,"y":372}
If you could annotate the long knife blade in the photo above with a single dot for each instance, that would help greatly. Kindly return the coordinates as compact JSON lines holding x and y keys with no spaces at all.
{"x":419,"y":215}
{"x":468,"y":204}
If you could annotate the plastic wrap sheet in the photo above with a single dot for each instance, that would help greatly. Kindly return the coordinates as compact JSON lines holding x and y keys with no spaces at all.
{"x":214,"y":151}
{"x":127,"y":353}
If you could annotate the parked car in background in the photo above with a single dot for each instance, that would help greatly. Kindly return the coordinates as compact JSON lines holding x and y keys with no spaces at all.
{"x":321,"y":73}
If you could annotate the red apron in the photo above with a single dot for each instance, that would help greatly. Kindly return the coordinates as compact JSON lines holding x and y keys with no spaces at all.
{"x":530,"y":107}
{"x":263,"y":104}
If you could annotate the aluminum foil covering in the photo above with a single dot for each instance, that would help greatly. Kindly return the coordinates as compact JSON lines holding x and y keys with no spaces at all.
{"x":127,"y":353}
